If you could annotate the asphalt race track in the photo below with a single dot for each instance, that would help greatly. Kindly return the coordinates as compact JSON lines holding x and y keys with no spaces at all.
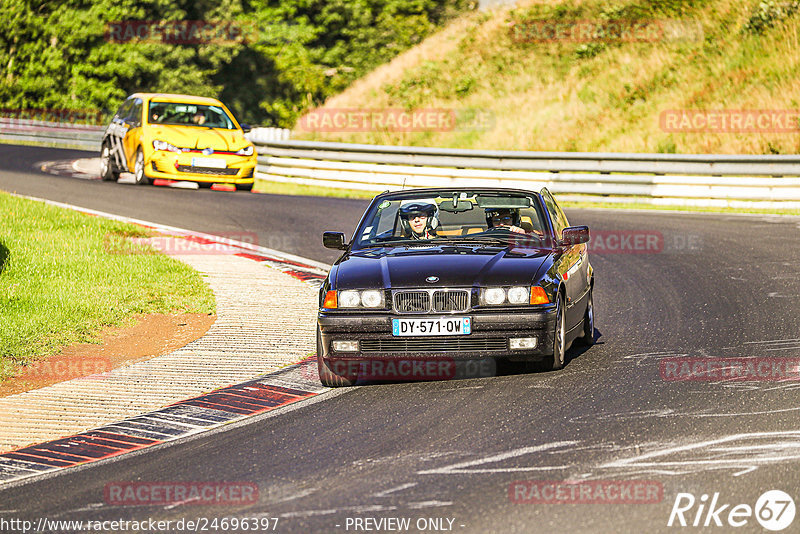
{"x":481,"y":455}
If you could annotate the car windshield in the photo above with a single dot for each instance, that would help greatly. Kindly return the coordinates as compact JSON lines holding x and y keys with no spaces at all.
{"x":458,"y":217}
{"x":200,"y":115}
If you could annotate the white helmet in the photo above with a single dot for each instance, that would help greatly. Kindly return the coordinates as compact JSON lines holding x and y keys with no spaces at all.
{"x":410,"y":208}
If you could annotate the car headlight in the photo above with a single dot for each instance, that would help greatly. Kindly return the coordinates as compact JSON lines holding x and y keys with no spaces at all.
{"x":372,"y":298}
{"x":349,"y":299}
{"x":367,"y":298}
{"x":163,"y":145}
{"x":494,"y":296}
{"x":517,"y":295}
{"x":246,"y":151}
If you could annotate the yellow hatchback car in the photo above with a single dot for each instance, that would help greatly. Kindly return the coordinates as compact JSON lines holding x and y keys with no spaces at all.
{"x":177,"y":137}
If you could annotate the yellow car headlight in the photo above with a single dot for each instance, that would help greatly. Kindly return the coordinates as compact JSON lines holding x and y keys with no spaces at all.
{"x":163,"y":145}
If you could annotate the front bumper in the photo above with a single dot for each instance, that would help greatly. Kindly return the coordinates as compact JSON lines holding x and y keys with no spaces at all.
{"x":239,"y":170}
{"x":489,"y":338}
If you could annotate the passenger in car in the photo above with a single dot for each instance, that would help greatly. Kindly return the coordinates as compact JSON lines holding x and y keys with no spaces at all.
{"x":509,"y":218}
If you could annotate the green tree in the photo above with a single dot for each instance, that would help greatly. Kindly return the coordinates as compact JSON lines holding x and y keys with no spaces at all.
{"x":293,"y":54}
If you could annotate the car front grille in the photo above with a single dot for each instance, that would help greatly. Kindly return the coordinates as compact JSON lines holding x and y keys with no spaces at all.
{"x":450,"y":301}
{"x":431,"y":300}
{"x":207,"y":170}
{"x":412,"y":301}
{"x":449,"y":344}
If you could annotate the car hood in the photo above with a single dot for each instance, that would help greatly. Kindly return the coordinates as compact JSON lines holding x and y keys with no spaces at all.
{"x":195,"y":137}
{"x":401,"y":267}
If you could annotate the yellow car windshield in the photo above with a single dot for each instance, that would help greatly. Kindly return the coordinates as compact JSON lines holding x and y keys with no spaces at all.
{"x":200,"y":115}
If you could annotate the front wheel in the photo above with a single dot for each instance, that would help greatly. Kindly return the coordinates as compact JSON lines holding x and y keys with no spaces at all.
{"x":139,"y":175}
{"x":556,"y":361}
{"x":107,"y":172}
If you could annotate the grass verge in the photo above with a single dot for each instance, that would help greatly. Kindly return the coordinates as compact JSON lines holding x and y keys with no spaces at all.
{"x":61,"y":282}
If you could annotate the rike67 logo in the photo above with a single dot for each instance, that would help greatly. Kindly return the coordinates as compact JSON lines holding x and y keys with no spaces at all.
{"x":774,"y":510}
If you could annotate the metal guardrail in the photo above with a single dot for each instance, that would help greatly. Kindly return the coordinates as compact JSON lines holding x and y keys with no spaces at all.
{"x":265,"y":135}
{"x":695,"y":179}
{"x":58,"y":134}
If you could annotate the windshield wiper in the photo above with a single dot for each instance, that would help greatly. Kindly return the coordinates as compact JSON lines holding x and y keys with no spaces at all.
{"x":477,"y":239}
{"x":392,"y":242}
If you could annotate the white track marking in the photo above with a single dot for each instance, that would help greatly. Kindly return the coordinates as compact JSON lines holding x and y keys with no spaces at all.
{"x":466,"y":467}
{"x":393,"y":490}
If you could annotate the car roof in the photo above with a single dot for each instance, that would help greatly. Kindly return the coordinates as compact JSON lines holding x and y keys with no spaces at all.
{"x":171,"y":97}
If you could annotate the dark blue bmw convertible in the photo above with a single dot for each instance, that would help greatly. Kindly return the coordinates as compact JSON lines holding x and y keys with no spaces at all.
{"x":433,"y":276}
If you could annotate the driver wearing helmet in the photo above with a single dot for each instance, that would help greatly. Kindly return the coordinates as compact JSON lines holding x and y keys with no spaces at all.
{"x":419,"y":219}
{"x":507,"y":218}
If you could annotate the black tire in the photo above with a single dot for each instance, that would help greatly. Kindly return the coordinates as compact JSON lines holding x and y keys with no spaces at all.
{"x":139,"y":174}
{"x":557,"y":359}
{"x":244,"y":187}
{"x":588,"y":322}
{"x":327,"y":376}
{"x":107,"y":171}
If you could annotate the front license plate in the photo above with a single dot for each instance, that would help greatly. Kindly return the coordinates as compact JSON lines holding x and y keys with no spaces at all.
{"x":450,"y":326}
{"x":214,"y":163}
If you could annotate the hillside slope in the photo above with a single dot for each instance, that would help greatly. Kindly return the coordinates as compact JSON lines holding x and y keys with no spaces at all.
{"x":511,"y":88}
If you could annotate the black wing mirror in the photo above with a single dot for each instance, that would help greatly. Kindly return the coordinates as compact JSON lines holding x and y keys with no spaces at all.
{"x":334,"y":240}
{"x":574,"y":235}
{"x":245,"y":127}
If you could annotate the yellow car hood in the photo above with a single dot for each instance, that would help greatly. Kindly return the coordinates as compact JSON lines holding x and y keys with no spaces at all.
{"x":199,"y":137}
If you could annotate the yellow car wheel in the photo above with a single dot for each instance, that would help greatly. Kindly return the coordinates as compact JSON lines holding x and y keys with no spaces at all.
{"x":139,"y":176}
{"x":107,"y":171}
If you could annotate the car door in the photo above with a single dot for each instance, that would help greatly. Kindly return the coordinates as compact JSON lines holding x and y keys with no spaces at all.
{"x":573,"y":263}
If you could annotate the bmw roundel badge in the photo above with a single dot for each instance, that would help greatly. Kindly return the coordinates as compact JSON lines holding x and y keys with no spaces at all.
{"x":432,"y":279}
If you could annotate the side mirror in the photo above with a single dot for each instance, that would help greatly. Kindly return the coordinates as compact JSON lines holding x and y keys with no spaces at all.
{"x":245,"y":127}
{"x":334,"y":240}
{"x":574,"y":235}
